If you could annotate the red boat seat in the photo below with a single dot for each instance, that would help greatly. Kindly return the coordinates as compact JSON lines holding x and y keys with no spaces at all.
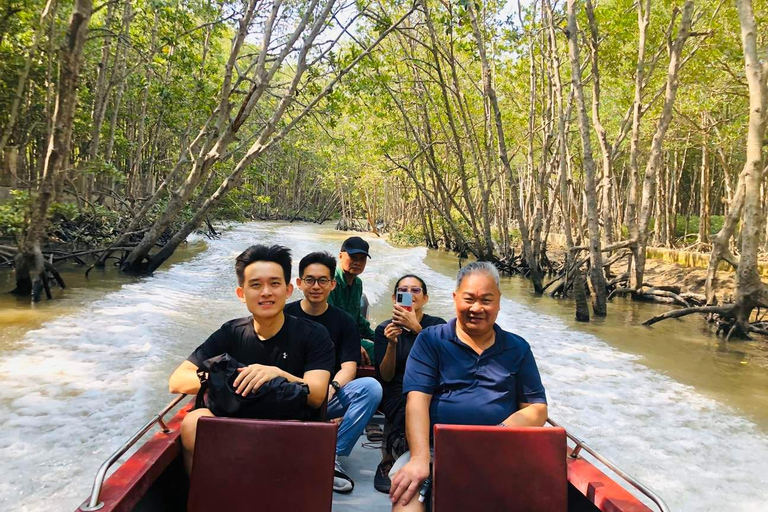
{"x":492,"y":468}
{"x":242,"y":464}
{"x":365,"y":371}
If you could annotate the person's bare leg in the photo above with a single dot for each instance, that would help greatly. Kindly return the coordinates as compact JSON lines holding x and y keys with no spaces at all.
{"x":188,"y":435}
{"x":413,"y":506}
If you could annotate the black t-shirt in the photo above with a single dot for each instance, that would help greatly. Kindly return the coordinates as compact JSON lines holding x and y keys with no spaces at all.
{"x":340,"y":325}
{"x":393,"y":390}
{"x":298,"y":347}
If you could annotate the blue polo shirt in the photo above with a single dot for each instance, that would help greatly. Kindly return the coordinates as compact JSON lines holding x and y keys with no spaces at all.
{"x":472,"y":389}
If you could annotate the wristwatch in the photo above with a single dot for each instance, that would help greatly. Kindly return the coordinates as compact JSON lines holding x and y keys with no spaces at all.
{"x":335,"y":385}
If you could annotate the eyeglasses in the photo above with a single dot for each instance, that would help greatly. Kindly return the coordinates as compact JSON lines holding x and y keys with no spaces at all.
{"x":413,"y":289}
{"x":323,"y":281}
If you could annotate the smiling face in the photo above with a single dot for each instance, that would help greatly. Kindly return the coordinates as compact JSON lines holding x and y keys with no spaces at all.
{"x":477,"y":302}
{"x":264,"y":289}
{"x":411,"y":284}
{"x":316,"y":293}
{"x":352,"y":264}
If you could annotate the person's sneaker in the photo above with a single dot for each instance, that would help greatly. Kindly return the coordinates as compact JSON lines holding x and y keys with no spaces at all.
{"x":381,"y":480}
{"x":342,"y":482}
{"x":374,"y":432}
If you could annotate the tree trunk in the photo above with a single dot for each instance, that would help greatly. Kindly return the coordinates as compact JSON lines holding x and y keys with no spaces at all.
{"x":654,"y":158}
{"x":102,"y":89}
{"x":22,"y":82}
{"x":136,"y":185}
{"x":59,"y":145}
{"x":704,"y":224}
{"x":490,"y":93}
{"x":643,"y":20}
{"x":597,"y":277}
{"x":750,"y":290}
{"x":120,"y":72}
{"x":602,"y":137}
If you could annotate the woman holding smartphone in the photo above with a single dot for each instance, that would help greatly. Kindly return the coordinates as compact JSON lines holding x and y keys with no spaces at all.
{"x":392,"y":343}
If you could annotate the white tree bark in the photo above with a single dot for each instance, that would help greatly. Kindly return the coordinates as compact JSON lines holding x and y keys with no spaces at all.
{"x":750,"y":290}
{"x":654,"y":157}
{"x":597,"y":276}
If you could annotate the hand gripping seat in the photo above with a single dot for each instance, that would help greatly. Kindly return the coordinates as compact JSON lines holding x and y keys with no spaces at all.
{"x":269,"y":466}
{"x":499,"y":469}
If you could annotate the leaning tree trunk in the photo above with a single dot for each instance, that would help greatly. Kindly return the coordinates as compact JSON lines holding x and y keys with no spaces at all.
{"x":71,"y":58}
{"x":268,"y":137}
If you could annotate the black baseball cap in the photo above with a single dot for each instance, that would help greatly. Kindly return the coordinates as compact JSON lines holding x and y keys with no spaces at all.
{"x":355,"y":245}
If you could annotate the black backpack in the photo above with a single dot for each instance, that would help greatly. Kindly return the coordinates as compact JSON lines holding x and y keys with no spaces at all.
{"x":276,"y":399}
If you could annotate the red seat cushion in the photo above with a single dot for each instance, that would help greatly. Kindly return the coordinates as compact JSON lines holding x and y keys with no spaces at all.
{"x":495,"y":468}
{"x":242,"y":464}
{"x":365,"y":371}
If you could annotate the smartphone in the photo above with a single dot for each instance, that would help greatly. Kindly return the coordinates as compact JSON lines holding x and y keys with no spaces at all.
{"x":405,"y":300}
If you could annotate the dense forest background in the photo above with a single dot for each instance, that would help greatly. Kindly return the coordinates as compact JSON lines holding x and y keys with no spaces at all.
{"x":497,"y":129}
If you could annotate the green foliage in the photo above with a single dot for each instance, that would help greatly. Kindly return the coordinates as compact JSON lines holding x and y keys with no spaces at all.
{"x":410,"y":235}
{"x":12,"y":214}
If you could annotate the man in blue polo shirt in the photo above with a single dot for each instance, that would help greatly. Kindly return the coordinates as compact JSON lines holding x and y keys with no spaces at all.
{"x":466,"y":372}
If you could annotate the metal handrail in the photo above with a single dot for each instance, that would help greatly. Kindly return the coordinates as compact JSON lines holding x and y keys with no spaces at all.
{"x":581,"y":445}
{"x":98,"y":482}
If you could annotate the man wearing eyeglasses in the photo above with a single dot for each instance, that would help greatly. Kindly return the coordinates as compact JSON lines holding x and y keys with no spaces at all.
{"x":353,"y":400}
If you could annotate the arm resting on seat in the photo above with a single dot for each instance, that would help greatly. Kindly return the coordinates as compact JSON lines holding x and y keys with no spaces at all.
{"x":529,"y":415}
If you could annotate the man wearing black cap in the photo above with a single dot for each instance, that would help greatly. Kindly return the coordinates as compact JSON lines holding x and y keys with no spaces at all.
{"x":349,"y":289}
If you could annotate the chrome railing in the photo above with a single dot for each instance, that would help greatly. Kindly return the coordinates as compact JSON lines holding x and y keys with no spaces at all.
{"x":581,"y":445}
{"x":98,"y":482}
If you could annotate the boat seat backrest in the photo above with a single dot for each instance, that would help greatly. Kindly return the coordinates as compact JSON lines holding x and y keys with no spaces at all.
{"x":263,"y":465}
{"x":493,"y":468}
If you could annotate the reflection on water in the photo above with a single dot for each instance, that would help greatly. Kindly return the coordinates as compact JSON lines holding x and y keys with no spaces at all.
{"x":671,"y":405}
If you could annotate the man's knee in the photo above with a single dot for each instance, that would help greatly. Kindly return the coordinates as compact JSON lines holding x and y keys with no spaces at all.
{"x":370,"y":389}
{"x":189,"y":426}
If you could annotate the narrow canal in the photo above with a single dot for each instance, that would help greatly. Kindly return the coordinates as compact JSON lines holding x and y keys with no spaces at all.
{"x":673,"y":406}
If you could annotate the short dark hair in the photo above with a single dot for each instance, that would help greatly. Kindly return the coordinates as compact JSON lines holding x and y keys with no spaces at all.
{"x":275,"y":254}
{"x":406,"y":276}
{"x":321,"y":257}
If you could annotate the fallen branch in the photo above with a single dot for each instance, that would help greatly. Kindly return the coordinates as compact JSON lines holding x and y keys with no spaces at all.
{"x":90,"y":251}
{"x":607,"y":248}
{"x":726,"y":309}
{"x":677,"y":299}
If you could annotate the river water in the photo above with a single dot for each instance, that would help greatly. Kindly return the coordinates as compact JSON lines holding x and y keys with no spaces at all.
{"x":682,"y":412}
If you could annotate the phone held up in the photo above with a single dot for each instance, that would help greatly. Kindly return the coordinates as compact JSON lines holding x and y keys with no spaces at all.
{"x":404,"y":300}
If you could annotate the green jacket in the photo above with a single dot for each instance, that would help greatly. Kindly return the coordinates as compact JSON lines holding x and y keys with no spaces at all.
{"x":347,"y":297}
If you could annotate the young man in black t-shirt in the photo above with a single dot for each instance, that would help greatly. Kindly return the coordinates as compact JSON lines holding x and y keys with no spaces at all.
{"x":353,"y":400}
{"x":271,"y":343}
